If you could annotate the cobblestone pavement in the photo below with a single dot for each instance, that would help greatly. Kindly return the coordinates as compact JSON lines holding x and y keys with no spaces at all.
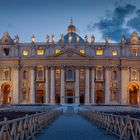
{"x":71,"y":126}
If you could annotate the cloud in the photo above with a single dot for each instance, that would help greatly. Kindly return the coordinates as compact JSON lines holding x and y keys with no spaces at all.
{"x":113,"y":26}
{"x":134,"y":22}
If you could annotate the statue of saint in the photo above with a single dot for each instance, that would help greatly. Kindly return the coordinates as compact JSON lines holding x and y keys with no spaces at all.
{"x":47,"y":39}
{"x":62,"y":38}
{"x":17,"y":39}
{"x":33,"y":39}
{"x":86,"y":38}
{"x":123,"y":39}
{"x":53,"y":39}
{"x":106,"y":39}
{"x":92,"y":39}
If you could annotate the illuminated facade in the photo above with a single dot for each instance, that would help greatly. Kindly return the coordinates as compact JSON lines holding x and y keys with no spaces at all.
{"x":72,"y":70}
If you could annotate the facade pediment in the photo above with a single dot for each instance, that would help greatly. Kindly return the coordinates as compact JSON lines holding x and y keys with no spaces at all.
{"x":70,"y":53}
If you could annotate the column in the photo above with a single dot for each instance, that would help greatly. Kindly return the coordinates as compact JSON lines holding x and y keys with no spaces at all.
{"x":62,"y":101}
{"x":124,"y":85}
{"x":15,"y":84}
{"x":52,"y":96}
{"x":92,"y":85}
{"x":87,"y":96}
{"x":32,"y":87}
{"x":107,"y":85}
{"x":47,"y":84}
{"x":77,"y":85}
{"x":138,"y":96}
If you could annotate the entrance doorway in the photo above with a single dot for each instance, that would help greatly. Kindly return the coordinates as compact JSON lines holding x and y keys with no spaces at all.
{"x":57,"y":99}
{"x":40,"y":96}
{"x":5,"y":88}
{"x":82,"y":99}
{"x":99,"y":96}
{"x":70,"y":98}
{"x":133,"y":94}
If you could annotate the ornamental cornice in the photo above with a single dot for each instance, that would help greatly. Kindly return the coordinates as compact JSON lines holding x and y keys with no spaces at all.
{"x":124,"y":67}
{"x":16,"y":67}
{"x":108,"y":67}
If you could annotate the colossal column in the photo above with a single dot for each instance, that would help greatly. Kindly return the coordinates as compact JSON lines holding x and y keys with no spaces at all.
{"x":47,"y":84}
{"x":77,"y":85}
{"x":52,"y":96}
{"x":107,"y":85}
{"x":124,"y":85}
{"x":32,"y":87}
{"x":62,"y":101}
{"x":87,"y":93}
{"x":15,"y":84}
{"x":92,"y":86}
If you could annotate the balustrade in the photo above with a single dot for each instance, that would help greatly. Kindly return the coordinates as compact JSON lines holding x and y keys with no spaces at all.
{"x":125,"y":127}
{"x":26,"y":127}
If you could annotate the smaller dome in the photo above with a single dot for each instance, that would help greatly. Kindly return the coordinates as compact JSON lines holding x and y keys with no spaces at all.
{"x":6,"y":39}
{"x":71,"y":27}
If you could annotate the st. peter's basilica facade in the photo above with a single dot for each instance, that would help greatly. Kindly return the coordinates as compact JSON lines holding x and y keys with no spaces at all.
{"x":72,"y":70}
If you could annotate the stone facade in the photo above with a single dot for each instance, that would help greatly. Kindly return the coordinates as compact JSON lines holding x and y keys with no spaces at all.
{"x":72,"y":70}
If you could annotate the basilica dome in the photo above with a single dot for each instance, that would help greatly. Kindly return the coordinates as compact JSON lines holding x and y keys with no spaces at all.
{"x":71,"y":36}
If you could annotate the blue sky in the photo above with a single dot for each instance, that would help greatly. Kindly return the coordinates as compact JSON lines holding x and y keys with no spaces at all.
{"x":100,"y":18}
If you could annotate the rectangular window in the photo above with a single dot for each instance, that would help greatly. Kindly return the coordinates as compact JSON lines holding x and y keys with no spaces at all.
{"x":134,"y":52}
{"x":57,"y":51}
{"x":40,"y":52}
{"x":99,"y":52}
{"x":82,"y":51}
{"x":114,"y":52}
{"x":25,"y":52}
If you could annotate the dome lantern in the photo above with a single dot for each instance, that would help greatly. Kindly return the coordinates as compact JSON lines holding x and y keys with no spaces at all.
{"x":71,"y":27}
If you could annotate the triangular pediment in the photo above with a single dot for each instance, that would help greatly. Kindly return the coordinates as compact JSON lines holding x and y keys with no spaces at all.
{"x":70,"y":53}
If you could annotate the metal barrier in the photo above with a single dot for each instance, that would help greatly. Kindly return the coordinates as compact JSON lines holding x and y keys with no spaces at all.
{"x":125,"y":127}
{"x":26,"y":127}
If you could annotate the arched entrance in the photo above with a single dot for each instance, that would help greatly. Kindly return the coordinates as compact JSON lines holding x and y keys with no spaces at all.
{"x":5,"y":88}
{"x":133,"y":94}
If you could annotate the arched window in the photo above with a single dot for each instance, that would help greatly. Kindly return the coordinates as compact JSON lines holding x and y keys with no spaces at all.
{"x":24,"y":74}
{"x":114,"y":75}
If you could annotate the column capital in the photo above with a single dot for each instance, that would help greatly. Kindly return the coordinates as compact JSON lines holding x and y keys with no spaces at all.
{"x":32,"y":67}
{"x":107,"y":67}
{"x":77,"y":67}
{"x":52,"y":66}
{"x":63,"y":66}
{"x":16,"y":67}
{"x":124,"y":67}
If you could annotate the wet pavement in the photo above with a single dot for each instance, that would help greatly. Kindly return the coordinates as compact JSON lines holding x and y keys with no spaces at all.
{"x":71,"y":126}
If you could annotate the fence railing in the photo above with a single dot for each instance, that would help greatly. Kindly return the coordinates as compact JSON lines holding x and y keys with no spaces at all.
{"x":26,"y":127}
{"x":125,"y":127}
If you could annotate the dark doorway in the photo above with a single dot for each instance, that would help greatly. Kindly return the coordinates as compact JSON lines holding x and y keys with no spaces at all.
{"x":82,"y":99}
{"x":99,"y":96}
{"x":57,"y":99}
{"x":70,"y":98}
{"x":40,"y":96}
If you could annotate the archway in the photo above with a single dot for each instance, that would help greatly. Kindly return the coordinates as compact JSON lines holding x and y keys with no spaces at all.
{"x":133,"y":94}
{"x":5,"y":88}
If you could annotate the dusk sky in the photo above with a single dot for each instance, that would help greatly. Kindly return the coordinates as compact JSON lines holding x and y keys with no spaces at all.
{"x":100,"y":18}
